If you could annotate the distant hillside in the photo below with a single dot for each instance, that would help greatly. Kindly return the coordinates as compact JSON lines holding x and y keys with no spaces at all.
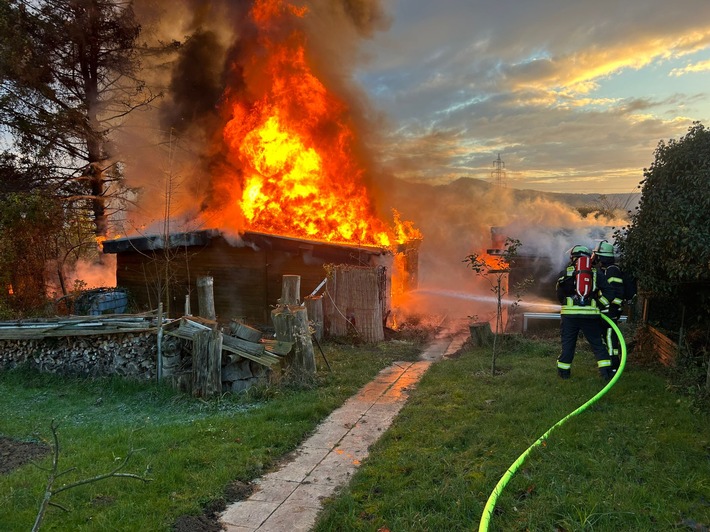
{"x":623,"y":201}
{"x":464,"y":205}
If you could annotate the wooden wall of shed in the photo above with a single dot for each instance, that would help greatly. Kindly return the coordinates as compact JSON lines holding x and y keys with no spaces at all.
{"x":246,"y":282}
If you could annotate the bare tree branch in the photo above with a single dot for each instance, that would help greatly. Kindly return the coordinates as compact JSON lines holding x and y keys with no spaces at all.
{"x":50,"y":492}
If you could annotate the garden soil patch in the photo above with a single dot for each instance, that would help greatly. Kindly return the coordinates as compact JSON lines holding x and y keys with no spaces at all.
{"x":15,"y":453}
{"x":209,"y":520}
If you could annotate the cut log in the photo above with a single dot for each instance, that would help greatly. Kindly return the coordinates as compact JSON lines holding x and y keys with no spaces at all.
{"x":170,"y":354}
{"x":291,"y":325}
{"x":291,"y":290}
{"x":199,"y":322}
{"x":244,"y":332}
{"x":253,"y":351}
{"x":257,"y":355}
{"x":205,"y":297}
{"x":207,"y":364}
{"x":276,"y":347}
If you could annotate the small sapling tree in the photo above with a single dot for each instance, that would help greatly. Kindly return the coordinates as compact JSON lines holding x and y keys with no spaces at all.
{"x":494,"y":270}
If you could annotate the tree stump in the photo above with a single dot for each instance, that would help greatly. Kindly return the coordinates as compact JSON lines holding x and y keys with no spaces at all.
{"x":291,"y":325}
{"x":207,"y":363}
{"x":481,"y":334}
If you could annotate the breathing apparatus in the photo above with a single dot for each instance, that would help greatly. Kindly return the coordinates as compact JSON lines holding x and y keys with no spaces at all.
{"x":493,"y":498}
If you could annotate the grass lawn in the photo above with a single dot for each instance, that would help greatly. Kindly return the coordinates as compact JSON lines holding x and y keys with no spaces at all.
{"x":636,"y":460}
{"x":195,"y":451}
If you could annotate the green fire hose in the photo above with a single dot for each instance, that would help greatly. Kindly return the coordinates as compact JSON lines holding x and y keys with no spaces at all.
{"x":490,"y":505}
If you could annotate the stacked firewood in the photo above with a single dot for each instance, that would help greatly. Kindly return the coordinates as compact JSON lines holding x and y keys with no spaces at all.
{"x":130,"y":355}
{"x":194,"y":354}
{"x":243,"y":357}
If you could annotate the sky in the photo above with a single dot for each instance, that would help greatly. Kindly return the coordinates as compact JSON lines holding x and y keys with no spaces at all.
{"x":574,"y":95}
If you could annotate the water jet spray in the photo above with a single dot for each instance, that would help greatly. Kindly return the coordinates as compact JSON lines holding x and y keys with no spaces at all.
{"x":480,"y":298}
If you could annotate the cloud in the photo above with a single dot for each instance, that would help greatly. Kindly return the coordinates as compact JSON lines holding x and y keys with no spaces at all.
{"x":543,"y":82}
{"x":701,"y":66}
{"x":580,"y":71}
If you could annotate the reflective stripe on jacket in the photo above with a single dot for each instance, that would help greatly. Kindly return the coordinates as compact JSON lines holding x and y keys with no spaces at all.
{"x":611,"y":304}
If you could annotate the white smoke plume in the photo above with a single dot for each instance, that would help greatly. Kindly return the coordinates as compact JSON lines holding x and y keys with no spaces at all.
{"x":457,"y":220}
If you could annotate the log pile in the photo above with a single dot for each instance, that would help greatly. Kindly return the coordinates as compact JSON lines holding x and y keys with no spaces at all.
{"x":93,"y":346}
{"x":126,"y":345}
{"x":128,"y":355}
{"x":145,"y":346}
{"x":245,"y":360}
{"x":314,"y":309}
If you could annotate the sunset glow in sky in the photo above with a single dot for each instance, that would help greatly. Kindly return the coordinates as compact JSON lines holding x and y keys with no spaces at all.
{"x":574,"y":95}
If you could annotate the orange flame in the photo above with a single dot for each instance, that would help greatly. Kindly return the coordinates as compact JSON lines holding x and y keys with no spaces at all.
{"x":294,"y":145}
{"x":100,"y":239}
{"x":494,"y":262}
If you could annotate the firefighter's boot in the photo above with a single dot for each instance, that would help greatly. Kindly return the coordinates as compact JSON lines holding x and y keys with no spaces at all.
{"x":564,"y":373}
{"x":606,"y":373}
{"x":615,"y":362}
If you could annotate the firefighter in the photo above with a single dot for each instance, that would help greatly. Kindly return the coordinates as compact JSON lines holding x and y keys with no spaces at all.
{"x":578,"y":291}
{"x":604,"y":262}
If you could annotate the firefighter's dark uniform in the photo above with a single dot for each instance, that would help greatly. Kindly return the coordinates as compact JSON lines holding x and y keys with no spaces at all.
{"x":585,"y":318}
{"x":611,"y":307}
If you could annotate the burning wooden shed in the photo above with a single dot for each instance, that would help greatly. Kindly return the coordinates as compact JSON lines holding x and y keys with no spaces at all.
{"x":247,"y":270}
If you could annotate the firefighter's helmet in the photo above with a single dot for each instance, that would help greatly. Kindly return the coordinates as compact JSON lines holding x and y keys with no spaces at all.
{"x":579,"y":251}
{"x":604,"y":249}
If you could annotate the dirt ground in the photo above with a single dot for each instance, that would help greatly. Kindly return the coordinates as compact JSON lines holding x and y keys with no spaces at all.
{"x":209,"y":520}
{"x":15,"y":453}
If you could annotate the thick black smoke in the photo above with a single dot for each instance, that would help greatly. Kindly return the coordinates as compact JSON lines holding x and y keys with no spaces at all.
{"x":215,"y":41}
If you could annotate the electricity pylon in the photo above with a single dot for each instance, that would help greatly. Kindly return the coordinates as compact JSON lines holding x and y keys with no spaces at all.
{"x":498,"y":173}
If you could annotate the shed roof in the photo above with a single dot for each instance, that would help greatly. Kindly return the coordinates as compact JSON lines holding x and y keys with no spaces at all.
{"x":255,"y":240}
